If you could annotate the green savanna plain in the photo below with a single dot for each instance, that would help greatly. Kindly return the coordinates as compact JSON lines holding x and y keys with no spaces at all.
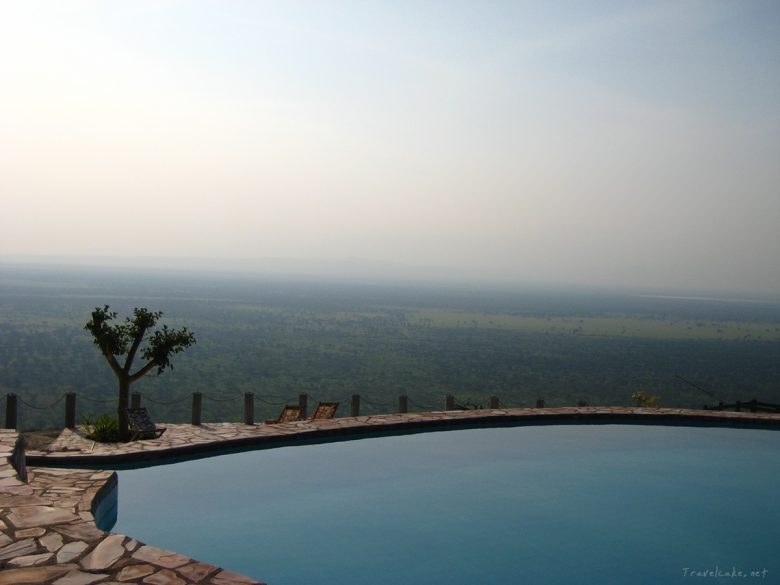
{"x":279,"y":337}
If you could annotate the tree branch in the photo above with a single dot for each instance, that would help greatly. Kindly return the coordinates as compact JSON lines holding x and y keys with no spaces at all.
{"x":113,"y":363}
{"x":139,"y":337}
{"x":142,"y":372}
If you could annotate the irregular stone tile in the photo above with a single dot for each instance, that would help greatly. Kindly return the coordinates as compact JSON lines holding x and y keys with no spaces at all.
{"x":28,"y":532}
{"x":52,"y":542}
{"x":132,"y":572}
{"x":33,"y":576}
{"x":164,"y":577}
{"x":86,"y":531}
{"x":31,"y":516}
{"x":70,"y":551}
{"x":77,"y":577}
{"x":231,"y":578}
{"x":30,"y":560}
{"x":19,"y":490}
{"x":160,"y":557}
{"x":101,"y":475}
{"x":14,"y":501}
{"x":18,"y":548}
{"x":56,"y":472}
{"x":104,"y":554}
{"x":131,"y":545}
{"x":10,"y":481}
{"x":197,"y":571}
{"x":4,"y":539}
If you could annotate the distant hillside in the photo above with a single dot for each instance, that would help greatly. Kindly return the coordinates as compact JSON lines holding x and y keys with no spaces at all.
{"x":278,"y":338}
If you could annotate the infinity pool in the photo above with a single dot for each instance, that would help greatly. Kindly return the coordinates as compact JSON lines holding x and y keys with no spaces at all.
{"x":546,"y":504}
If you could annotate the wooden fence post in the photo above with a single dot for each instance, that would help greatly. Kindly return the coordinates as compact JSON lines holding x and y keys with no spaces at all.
{"x":493,"y":402}
{"x":355,"y":410}
{"x":403,"y":403}
{"x":449,"y":402}
{"x":70,"y":410}
{"x":197,"y":408}
{"x":11,"y":411}
{"x":249,"y":408}
{"x":135,"y":400}
{"x":18,"y":458}
{"x":303,"y":403}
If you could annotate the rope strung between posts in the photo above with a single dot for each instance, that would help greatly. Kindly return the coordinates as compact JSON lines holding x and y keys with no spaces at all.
{"x":469,"y":405}
{"x":347,"y":400}
{"x":272,"y":400}
{"x":376,"y":404}
{"x":164,"y":403}
{"x":207,"y":397}
{"x":55,"y":403}
{"x":426,"y":408}
{"x":274,"y":403}
{"x":102,"y":400}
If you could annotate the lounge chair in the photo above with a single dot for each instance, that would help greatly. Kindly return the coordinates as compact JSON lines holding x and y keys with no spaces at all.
{"x":141,"y":426}
{"x":325,"y":410}
{"x":289,"y":414}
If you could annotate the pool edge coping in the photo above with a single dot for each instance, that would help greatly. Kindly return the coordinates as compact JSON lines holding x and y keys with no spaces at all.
{"x":301,"y":433}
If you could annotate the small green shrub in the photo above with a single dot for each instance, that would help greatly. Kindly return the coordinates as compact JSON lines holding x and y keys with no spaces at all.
{"x":103,"y":429}
{"x":641,"y":399}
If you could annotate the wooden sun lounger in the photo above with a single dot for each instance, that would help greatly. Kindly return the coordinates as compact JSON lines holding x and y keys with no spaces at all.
{"x":325,"y":410}
{"x":289,"y":414}
{"x":141,"y":426}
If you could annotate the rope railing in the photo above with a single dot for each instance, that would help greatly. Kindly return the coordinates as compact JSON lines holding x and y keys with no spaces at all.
{"x":168,"y":402}
{"x":376,"y":404}
{"x":230,"y":399}
{"x":47,"y":407}
{"x":423,"y":407}
{"x":351,"y":403}
{"x":97,"y":400}
{"x":278,"y":402}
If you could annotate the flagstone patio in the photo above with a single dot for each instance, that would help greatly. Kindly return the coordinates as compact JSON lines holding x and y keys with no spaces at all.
{"x":47,"y":528}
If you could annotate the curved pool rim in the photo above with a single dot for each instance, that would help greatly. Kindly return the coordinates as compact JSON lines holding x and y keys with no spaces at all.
{"x":550,"y":430}
{"x":318,"y":432}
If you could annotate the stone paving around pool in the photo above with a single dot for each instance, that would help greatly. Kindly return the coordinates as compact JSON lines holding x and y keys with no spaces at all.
{"x":47,"y":530}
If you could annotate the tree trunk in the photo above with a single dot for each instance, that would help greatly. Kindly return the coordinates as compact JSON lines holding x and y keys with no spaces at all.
{"x":124,"y":396}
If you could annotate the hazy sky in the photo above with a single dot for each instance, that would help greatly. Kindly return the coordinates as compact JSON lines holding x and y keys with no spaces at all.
{"x":607,"y":142}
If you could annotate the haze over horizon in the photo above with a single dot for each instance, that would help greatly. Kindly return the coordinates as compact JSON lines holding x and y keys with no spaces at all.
{"x":618,"y":143}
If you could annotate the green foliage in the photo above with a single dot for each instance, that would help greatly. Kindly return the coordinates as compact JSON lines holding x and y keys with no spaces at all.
{"x":278,"y":339}
{"x":640,"y":398}
{"x":122,"y":340}
{"x":164,"y":343}
{"x":118,"y":339}
{"x":110,"y":339}
{"x":104,"y":428}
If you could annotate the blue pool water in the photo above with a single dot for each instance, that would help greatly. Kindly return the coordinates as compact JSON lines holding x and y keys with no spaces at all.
{"x":549,"y":504}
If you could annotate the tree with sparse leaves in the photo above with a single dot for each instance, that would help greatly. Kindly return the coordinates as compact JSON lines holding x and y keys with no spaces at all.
{"x":119,"y":341}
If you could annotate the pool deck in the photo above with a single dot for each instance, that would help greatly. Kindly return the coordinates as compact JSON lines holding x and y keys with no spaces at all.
{"x":47,"y":530}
